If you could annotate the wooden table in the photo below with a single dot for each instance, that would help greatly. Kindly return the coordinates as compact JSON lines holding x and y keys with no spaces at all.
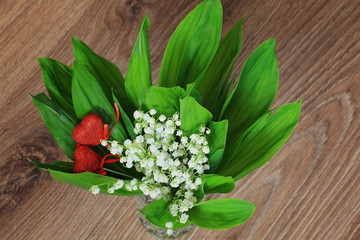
{"x":309,"y":190}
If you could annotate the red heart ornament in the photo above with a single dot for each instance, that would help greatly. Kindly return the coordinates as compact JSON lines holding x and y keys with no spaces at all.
{"x":86,"y":160}
{"x":89,"y":131}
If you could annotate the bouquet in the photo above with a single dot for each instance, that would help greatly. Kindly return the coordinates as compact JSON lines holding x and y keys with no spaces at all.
{"x":196,"y":133}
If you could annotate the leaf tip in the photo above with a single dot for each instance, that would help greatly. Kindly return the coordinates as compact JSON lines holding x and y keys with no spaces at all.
{"x":271,"y":42}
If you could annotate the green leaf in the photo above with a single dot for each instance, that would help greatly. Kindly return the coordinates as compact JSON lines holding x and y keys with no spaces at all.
{"x":224,"y":99}
{"x":158,"y":213}
{"x":193,"y":92}
{"x":57,"y":79}
{"x":255,"y":91}
{"x":125,"y":119}
{"x":105,"y":72}
{"x":217,"y":143}
{"x":213,"y":183}
{"x":57,"y":166}
{"x":227,"y":97}
{"x":88,"y":96}
{"x":138,"y":77}
{"x":192,"y":115}
{"x":59,"y":123}
{"x":261,"y":141}
{"x":163,"y":100}
{"x":217,"y":73}
{"x":221,"y":213}
{"x":86,"y":180}
{"x":192,"y":45}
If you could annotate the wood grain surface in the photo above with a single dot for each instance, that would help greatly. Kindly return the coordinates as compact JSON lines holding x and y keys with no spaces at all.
{"x":309,"y":190}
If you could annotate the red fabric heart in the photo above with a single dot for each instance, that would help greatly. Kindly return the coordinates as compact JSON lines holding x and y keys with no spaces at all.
{"x":89,"y":131}
{"x":86,"y":160}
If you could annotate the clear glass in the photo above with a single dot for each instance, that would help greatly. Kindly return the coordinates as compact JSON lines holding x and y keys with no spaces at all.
{"x":142,"y":201}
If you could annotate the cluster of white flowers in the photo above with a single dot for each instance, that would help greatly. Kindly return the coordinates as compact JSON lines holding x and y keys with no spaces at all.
{"x":172,"y":163}
{"x":117,"y":185}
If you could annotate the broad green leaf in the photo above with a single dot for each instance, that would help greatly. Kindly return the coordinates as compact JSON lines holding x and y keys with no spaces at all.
{"x":192,"y":45}
{"x":86,"y":180}
{"x":217,"y":143}
{"x":125,"y":119}
{"x":213,"y":183}
{"x":57,"y":166}
{"x":192,"y":115}
{"x":88,"y":96}
{"x":163,"y":100}
{"x":105,"y":72}
{"x":221,"y":213}
{"x":193,"y":92}
{"x":59,"y":123}
{"x":158,"y":213}
{"x":255,"y":91}
{"x":261,"y":142}
{"x":224,"y":99}
{"x":233,"y":149}
{"x":228,"y":98}
{"x":138,"y":77}
{"x":57,"y":79}
{"x":217,"y":73}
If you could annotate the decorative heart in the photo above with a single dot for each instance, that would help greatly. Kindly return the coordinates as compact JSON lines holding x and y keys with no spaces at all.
{"x":86,"y":160}
{"x":89,"y":131}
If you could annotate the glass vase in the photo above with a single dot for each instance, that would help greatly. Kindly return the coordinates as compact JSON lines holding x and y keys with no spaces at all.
{"x":141,"y":202}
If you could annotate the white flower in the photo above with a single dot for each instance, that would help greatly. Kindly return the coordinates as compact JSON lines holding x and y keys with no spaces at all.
{"x":178,"y":123}
{"x":127,"y":142}
{"x":119,"y":184}
{"x":103,"y":142}
{"x":183,"y":207}
{"x":208,"y":131}
{"x":151,"y":122}
{"x":132,"y":185}
{"x":169,"y":225}
{"x":176,"y":116}
{"x":146,"y":116}
{"x":169,"y":232}
{"x":188,"y":194}
{"x":184,"y":140}
{"x":174,"y":183}
{"x":114,"y":144}
{"x":206,"y":150}
{"x":193,"y":149}
{"x":162,"y":118}
{"x":139,"y":139}
{"x":133,"y":182}
{"x":206,"y":167}
{"x":137,"y":114}
{"x":169,"y":130}
{"x":111,"y":190}
{"x":95,"y":189}
{"x":152,"y":111}
{"x":169,"y":123}
{"x":149,"y":130}
{"x":202,"y":129}
{"x":198,"y":181}
{"x":176,"y":162}
{"x":155,"y":193}
{"x":113,"y":150}
{"x":174,"y":208}
{"x":183,"y":218}
{"x":129,"y":164}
